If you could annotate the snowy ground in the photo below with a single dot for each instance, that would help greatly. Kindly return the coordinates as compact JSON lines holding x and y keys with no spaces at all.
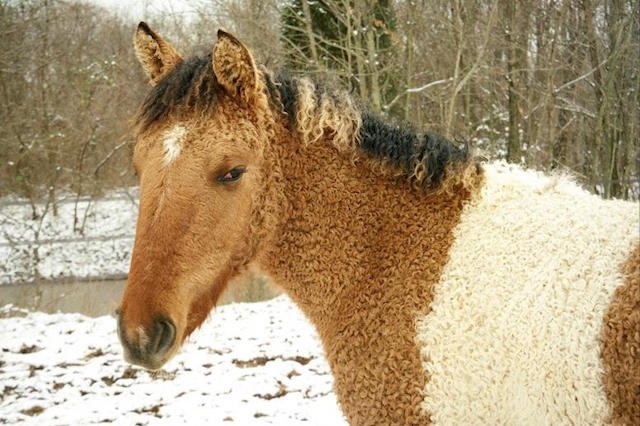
{"x":87,"y":238}
{"x":250,"y":364}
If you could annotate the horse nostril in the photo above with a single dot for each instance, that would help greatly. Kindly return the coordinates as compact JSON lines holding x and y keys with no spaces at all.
{"x":148,"y":348}
{"x":165,"y":334}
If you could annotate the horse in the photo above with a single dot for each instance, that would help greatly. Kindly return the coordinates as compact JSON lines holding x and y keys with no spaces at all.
{"x":445,"y":288}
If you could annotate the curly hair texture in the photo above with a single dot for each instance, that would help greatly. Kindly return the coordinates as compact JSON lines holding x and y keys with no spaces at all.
{"x":621,"y":347}
{"x":444,"y":290}
{"x":430,"y":162}
{"x":516,"y":317}
{"x":190,"y":86}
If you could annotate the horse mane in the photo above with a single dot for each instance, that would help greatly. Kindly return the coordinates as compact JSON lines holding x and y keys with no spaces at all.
{"x":315,"y":110}
{"x":318,"y":111}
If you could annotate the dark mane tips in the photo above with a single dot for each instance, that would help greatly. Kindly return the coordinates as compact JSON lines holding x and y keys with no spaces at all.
{"x":190,"y":85}
{"x":283,"y":93}
{"x":427,"y":158}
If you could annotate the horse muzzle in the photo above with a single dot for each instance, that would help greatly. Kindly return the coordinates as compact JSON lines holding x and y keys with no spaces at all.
{"x":149,"y":348}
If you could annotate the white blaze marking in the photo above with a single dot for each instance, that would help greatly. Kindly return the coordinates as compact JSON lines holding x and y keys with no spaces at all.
{"x":173,"y":143}
{"x":513,"y":334}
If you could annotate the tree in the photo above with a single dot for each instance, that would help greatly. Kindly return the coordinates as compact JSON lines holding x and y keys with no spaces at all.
{"x":351,"y":39}
{"x":67,"y":91}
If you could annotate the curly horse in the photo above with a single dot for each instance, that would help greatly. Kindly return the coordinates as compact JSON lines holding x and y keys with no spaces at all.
{"x":446,"y":289}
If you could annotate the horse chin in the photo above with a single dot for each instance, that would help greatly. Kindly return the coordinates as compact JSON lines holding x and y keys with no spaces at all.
{"x":200,"y":310}
{"x":151,"y":363}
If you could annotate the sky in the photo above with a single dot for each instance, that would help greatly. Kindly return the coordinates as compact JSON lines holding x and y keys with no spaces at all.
{"x":144,"y":9}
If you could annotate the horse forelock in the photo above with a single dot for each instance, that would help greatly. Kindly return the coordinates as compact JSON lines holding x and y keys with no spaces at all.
{"x":190,"y":87}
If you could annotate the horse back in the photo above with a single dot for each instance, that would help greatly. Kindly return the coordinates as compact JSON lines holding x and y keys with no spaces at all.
{"x":536,"y":317}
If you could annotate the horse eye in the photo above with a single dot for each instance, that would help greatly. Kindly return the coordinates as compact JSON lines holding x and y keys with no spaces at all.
{"x":232,"y":175}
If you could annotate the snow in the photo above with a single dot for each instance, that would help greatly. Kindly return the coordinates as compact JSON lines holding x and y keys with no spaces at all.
{"x":50,"y":247}
{"x":249,"y":364}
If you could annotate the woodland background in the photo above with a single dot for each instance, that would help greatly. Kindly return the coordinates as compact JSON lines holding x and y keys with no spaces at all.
{"x":551,"y":84}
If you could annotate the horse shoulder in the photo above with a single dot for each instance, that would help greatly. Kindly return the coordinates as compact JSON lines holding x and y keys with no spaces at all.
{"x":514,"y":326}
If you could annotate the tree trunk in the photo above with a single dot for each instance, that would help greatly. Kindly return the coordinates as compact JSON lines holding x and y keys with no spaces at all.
{"x":376,"y":98}
{"x":309,"y":29}
{"x":359,"y":54}
{"x":514,"y":151}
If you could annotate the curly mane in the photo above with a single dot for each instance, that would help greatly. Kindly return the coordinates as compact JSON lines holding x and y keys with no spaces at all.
{"x":317,"y":111}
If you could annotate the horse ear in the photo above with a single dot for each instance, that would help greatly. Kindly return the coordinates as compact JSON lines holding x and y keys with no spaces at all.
{"x":156,"y":55}
{"x":234,"y":67}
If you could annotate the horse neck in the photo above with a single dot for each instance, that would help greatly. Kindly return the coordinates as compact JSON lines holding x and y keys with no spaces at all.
{"x":344,"y":221}
{"x":360,"y":253}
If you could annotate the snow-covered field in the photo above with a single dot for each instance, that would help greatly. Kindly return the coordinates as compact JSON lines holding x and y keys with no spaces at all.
{"x":250,"y":364}
{"x":87,"y":238}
